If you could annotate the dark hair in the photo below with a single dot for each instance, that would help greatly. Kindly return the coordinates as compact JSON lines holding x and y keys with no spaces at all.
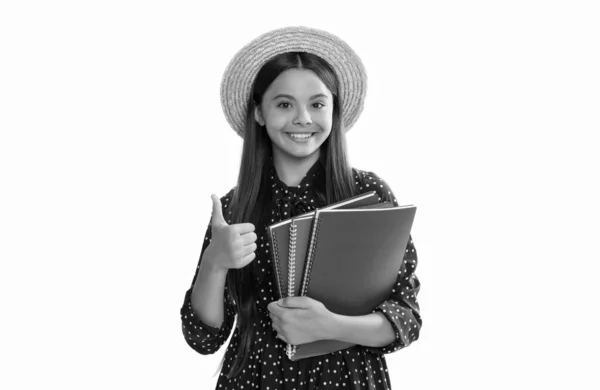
{"x":248,"y":201}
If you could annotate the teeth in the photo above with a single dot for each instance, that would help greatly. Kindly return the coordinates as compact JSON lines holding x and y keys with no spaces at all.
{"x":304,"y":135}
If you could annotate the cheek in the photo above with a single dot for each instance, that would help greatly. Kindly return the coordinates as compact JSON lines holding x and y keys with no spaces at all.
{"x":277,"y":120}
{"x":324,"y":118}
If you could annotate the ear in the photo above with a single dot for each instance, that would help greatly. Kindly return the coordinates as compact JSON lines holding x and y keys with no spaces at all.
{"x":258,"y":116}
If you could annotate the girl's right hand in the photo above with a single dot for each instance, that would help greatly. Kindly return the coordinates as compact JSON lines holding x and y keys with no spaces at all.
{"x":231,"y":246}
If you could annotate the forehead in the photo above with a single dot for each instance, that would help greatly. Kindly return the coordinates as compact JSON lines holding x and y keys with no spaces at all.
{"x":298,"y":83}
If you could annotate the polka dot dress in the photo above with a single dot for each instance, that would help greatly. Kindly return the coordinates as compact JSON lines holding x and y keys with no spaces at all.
{"x":268,"y":367}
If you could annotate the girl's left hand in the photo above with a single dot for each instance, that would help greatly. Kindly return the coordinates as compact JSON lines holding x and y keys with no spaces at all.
{"x":300,"y":320}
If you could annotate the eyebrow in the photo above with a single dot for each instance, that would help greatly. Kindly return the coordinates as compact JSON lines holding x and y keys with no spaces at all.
{"x":284,"y":95}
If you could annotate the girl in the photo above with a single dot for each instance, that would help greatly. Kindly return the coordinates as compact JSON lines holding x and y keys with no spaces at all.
{"x":291,"y":94}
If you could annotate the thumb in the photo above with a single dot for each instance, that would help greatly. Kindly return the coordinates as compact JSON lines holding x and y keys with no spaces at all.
{"x":217,"y":212}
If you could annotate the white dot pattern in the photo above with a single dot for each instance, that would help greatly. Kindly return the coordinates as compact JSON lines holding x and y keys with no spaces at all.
{"x":268,"y":367}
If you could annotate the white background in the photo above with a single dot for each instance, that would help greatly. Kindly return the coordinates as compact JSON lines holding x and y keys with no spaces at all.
{"x":483,"y":114}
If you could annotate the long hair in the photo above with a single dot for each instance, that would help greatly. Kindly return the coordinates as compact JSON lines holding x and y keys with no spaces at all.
{"x":251,"y":196}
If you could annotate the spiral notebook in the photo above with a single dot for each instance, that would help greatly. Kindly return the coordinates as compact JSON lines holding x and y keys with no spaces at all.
{"x":307,"y":252}
{"x":299,"y":232}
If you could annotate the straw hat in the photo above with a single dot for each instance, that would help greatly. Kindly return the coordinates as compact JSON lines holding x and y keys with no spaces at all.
{"x":242,"y":70}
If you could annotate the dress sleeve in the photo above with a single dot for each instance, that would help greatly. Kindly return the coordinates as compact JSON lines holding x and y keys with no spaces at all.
{"x":402,"y":308}
{"x":203,"y":338}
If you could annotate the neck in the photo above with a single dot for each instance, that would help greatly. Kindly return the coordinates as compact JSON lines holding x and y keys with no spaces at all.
{"x":291,"y":170}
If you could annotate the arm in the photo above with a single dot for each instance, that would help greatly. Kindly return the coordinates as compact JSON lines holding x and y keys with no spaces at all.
{"x":373,"y":330}
{"x":301,"y":319}
{"x":208,"y":312}
{"x":207,"y":291}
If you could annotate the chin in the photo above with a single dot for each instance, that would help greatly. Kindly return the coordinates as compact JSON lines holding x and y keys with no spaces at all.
{"x":298,"y":153}
{"x":301,"y":153}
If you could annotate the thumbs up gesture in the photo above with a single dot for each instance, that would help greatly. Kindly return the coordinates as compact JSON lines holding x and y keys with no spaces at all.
{"x":231,"y":246}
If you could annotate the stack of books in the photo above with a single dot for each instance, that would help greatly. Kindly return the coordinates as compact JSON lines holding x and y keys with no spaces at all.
{"x":346,"y":255}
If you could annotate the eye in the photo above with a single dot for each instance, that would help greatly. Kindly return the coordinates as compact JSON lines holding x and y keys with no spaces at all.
{"x":284,"y":105}
{"x":318,"y":105}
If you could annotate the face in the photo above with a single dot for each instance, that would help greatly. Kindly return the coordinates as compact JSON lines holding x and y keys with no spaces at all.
{"x":297,"y":102}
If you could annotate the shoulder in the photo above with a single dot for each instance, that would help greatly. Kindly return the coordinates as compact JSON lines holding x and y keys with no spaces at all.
{"x":367,"y":181}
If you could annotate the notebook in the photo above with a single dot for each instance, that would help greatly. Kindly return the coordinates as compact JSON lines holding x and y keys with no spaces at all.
{"x":353,"y":263}
{"x":279,"y":236}
{"x":307,"y":250}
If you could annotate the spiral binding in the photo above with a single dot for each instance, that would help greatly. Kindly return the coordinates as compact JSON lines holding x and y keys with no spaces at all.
{"x":291,"y":349}
{"x":311,"y":254}
{"x":292,"y":259}
{"x":274,"y":252}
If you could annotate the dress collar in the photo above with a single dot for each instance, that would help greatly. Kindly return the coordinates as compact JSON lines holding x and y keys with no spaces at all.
{"x":313,"y":178}
{"x":302,"y":197}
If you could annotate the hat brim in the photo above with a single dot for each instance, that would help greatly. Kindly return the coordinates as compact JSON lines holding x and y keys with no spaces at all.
{"x":242,"y":70}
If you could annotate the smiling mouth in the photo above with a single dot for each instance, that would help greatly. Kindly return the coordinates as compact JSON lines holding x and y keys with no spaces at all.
{"x":300,"y":135}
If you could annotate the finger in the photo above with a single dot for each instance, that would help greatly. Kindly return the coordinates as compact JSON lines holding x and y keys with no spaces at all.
{"x":248,"y":258}
{"x":276,"y":328}
{"x":217,"y":218}
{"x":295,"y":302}
{"x":274,"y":317}
{"x":276,"y":310}
{"x":248,"y":249}
{"x":283,"y":338}
{"x":248,"y":238}
{"x":243,"y":228}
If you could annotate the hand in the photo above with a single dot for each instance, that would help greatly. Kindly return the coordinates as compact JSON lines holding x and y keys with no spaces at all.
{"x":231,"y":246}
{"x":300,"y":320}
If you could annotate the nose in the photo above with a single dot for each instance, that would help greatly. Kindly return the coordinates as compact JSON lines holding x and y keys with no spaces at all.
{"x":302,"y":117}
